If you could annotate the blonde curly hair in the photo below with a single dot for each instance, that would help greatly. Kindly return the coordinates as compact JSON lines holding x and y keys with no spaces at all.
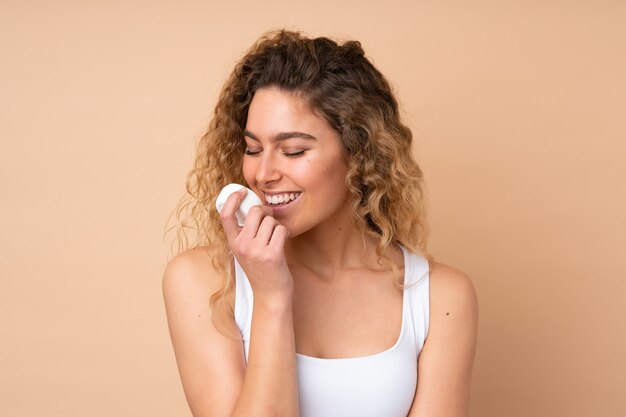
{"x":342,"y":86}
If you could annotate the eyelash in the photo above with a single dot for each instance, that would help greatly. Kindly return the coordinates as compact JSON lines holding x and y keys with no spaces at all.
{"x":289,"y":155}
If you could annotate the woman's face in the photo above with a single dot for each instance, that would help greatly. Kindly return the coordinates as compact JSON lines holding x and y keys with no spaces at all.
{"x":294,"y":161}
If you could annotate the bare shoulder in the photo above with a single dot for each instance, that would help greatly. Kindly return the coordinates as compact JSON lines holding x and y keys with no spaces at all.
{"x":446,"y":361}
{"x":452,"y":290}
{"x":190,"y":278}
{"x":210,"y":358}
{"x":191,"y":267}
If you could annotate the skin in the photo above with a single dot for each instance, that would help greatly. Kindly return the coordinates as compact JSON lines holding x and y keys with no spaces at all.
{"x":318,"y":288}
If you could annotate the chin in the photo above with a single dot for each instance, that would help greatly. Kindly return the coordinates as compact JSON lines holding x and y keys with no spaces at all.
{"x":294,"y":231}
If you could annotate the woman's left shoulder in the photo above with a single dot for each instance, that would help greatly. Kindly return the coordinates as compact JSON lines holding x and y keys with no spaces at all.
{"x":452,"y":290}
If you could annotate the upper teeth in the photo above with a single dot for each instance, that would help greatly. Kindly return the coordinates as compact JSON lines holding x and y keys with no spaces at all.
{"x":280,"y":198}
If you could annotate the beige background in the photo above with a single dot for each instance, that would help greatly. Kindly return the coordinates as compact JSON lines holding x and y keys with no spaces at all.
{"x":518,"y":112}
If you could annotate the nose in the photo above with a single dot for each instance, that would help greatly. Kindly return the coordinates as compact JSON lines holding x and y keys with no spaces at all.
{"x":267,"y":170}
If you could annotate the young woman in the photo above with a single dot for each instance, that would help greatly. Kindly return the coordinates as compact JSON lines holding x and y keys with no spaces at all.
{"x":325,"y":303}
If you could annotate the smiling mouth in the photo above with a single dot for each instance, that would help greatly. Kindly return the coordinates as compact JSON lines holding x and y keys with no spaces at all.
{"x":282,"y":199}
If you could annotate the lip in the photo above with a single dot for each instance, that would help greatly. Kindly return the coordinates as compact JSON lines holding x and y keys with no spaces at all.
{"x":278,"y":192}
{"x":271,"y":194}
{"x":282,"y":209}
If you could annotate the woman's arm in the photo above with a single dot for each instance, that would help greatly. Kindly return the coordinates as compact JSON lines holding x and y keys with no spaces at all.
{"x":212,"y":367}
{"x":446,"y":361}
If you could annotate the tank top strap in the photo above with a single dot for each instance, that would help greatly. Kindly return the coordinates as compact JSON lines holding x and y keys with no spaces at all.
{"x":417,"y":295}
{"x":244,"y":301}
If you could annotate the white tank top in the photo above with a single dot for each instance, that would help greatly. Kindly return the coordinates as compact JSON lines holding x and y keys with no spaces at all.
{"x":378,"y":385}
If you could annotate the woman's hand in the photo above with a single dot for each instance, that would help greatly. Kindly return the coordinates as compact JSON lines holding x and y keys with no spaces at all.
{"x":259,"y":248}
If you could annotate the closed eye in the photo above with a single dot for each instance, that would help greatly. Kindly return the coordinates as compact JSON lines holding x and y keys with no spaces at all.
{"x":287,"y":154}
{"x":294,"y":154}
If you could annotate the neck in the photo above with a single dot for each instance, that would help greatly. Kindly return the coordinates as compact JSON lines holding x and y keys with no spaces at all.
{"x":335,"y":246}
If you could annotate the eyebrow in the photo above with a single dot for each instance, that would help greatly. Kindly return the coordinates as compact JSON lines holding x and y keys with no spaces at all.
{"x":282,"y":136}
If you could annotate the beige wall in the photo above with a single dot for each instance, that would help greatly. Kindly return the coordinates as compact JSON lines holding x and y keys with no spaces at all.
{"x":518,"y":112}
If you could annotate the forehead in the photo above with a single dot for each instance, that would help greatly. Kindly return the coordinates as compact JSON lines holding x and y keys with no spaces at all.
{"x":272,"y":108}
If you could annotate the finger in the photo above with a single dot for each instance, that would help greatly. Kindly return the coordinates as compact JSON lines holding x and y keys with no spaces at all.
{"x":279,"y":237}
{"x":253,"y":221}
{"x":227,"y":215}
{"x":266,"y":230}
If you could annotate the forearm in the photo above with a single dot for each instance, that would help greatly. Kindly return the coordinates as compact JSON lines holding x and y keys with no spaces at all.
{"x":270,"y":387}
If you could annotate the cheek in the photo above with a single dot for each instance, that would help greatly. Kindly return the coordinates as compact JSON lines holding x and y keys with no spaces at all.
{"x":317,"y":173}
{"x":304,"y":170}
{"x":329,"y":177}
{"x":336,"y":170}
{"x":247,"y":170}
